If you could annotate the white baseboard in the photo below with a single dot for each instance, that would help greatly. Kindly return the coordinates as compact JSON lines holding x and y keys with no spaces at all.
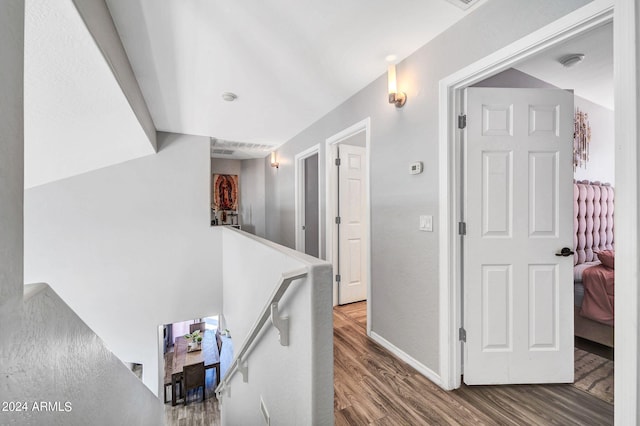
{"x":422,"y":369}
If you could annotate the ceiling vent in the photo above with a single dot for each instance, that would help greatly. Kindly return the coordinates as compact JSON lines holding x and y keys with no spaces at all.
{"x":463,"y":4}
{"x":239,"y":150}
{"x":222,"y":151}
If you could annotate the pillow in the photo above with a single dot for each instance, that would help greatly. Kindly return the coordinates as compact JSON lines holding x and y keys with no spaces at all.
{"x":606,"y":258}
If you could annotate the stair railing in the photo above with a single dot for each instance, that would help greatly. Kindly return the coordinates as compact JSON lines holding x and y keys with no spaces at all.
{"x":270,"y":311}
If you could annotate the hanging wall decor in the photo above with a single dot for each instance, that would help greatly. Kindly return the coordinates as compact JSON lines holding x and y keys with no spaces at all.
{"x":225,"y":193}
{"x":581,"y":139}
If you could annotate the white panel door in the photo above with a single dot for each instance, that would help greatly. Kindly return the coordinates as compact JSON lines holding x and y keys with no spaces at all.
{"x":518,"y":294}
{"x":352,"y":205}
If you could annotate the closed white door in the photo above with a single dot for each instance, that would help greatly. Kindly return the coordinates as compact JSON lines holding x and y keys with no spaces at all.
{"x":518,"y":294}
{"x":351,"y":235}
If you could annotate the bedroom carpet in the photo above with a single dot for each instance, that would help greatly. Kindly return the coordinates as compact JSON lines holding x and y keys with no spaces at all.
{"x":594,"y":374}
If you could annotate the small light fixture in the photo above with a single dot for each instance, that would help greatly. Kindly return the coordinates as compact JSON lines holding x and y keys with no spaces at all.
{"x":570,"y":60}
{"x":274,"y":163}
{"x":395,"y":97}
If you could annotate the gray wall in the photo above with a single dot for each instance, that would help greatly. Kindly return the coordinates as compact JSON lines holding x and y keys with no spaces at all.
{"x":129,"y":247}
{"x":404,"y":298}
{"x":252,"y":193}
{"x":72,"y":367}
{"x":601,"y":165}
{"x":11,"y":164}
{"x":311,"y":214}
{"x":225,"y":166}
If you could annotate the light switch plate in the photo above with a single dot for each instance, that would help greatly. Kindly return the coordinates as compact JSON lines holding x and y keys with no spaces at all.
{"x":426,"y":223}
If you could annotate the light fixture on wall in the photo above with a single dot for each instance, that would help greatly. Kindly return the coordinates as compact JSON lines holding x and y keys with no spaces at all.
{"x":274,"y":163}
{"x":395,"y":97}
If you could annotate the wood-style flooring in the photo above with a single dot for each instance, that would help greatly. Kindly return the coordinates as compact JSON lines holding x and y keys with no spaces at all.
{"x":374,"y":388}
{"x":196,"y":412}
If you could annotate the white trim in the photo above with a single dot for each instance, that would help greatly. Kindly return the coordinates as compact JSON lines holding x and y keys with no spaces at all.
{"x":625,"y":57}
{"x":399,"y":353}
{"x":589,"y":16}
{"x":330,"y":208}
{"x":299,"y":197}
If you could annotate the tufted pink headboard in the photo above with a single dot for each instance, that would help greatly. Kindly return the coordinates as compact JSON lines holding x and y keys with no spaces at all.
{"x":593,"y":221}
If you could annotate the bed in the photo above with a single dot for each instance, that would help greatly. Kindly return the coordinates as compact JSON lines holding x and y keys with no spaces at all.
{"x":593,"y":277}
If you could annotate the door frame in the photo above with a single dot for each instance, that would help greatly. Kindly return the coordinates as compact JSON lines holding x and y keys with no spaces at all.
{"x":299,"y":190}
{"x":451,"y":87}
{"x":331,"y":205}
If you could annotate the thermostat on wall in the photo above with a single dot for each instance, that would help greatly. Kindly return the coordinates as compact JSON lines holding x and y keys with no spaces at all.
{"x":415,"y":168}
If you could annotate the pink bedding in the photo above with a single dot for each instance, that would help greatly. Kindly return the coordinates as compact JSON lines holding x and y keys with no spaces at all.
{"x":598,"y":294}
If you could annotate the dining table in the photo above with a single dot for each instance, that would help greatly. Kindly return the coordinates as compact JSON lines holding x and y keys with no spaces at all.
{"x":206,"y":352}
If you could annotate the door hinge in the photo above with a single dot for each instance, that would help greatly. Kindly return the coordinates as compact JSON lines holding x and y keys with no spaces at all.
{"x":462,"y":334}
{"x":338,"y":220}
{"x":338,"y":278}
{"x":462,"y":228}
{"x":462,"y":121}
{"x":337,"y":161}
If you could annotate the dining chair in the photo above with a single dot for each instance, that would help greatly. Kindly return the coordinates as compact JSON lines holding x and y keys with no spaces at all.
{"x":168,"y":371}
{"x":193,"y":377}
{"x":197,"y":326}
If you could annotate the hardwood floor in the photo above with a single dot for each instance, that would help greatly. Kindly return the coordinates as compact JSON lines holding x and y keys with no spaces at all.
{"x":198,"y":413}
{"x":373,"y":387}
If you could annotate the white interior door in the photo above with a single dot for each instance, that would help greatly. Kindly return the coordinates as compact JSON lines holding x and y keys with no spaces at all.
{"x":518,"y":295}
{"x":351,"y":230}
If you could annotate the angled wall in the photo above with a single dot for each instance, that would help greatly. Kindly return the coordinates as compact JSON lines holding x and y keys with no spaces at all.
{"x":129,"y":247}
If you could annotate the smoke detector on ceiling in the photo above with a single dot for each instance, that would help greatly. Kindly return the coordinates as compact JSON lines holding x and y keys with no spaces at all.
{"x":571,"y":60}
{"x":463,"y":4}
{"x":229,"y":97}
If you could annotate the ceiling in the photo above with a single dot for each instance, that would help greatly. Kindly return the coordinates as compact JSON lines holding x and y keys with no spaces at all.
{"x":591,"y":79}
{"x":289,"y":62}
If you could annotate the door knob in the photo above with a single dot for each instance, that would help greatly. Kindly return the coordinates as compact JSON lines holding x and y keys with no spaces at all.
{"x":566,"y":251}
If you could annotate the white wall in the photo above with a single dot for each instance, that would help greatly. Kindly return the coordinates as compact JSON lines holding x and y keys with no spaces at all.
{"x":602,"y":149}
{"x":129,"y":247}
{"x":97,"y":18}
{"x":252,"y":196}
{"x":405,"y":294}
{"x":295,"y":382}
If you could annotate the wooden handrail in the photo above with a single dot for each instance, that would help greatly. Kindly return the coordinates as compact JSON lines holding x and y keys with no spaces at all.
{"x":286,"y":280}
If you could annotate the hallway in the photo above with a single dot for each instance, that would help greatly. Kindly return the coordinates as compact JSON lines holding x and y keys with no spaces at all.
{"x":373,"y":387}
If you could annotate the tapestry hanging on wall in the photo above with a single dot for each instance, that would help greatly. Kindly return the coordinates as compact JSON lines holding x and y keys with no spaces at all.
{"x":225,"y":192}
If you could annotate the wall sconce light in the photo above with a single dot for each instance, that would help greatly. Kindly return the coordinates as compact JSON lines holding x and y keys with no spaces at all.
{"x":395,"y":97}
{"x":274,"y":163}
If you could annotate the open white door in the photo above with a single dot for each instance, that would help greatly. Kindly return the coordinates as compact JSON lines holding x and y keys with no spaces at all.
{"x":518,"y":294}
{"x":351,"y":230}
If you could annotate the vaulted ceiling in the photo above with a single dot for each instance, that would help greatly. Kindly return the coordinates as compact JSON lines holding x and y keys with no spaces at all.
{"x":592,"y":78}
{"x":289,"y":62}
